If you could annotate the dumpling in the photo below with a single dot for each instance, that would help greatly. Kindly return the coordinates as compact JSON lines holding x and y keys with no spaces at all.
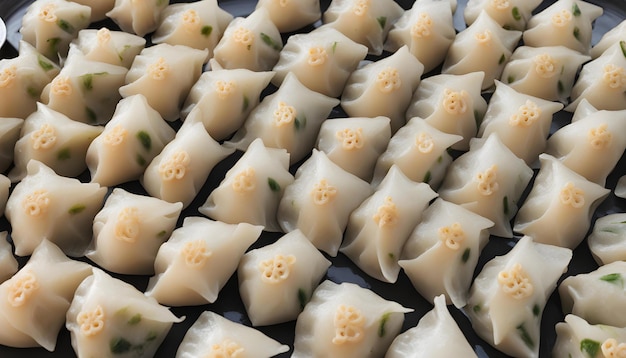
{"x":222,"y":99}
{"x":322,"y":60}
{"x":560,"y":205}
{"x":521,"y":121}
{"x":366,"y":22}
{"x":112,"y":47}
{"x":378,"y":229}
{"x":5,"y":188}
{"x":131,"y":139}
{"x":252,"y":188}
{"x":598,"y":296}
{"x":128,"y":231}
{"x":545,"y":72}
{"x":428,"y":31}
{"x":45,"y":284}
{"x":290,"y":119}
{"x":50,"y":26}
{"x":213,"y":335}
{"x":608,"y":39}
{"x":199,"y":25}
{"x":253,"y":43}
{"x":10,"y":129}
{"x":383,"y":88}
{"x":483,"y":46}
{"x":509,"y":14}
{"x":577,"y":338}
{"x":566,"y":23}
{"x":345,"y":320}
{"x":99,"y":8}
{"x":47,"y":206}
{"x":198,"y":259}
{"x":124,"y":324}
{"x":276,"y":281}
{"x":508,"y":296}
{"x":179,"y":172}
{"x":488,"y":180}
{"x":320,"y":200}
{"x":164,"y":74}
{"x":22,"y":79}
{"x":355,"y":143}
{"x":291,"y":15}
{"x":8,"y":263}
{"x":442,"y":252}
{"x":607,"y":240}
{"x":55,"y":140}
{"x":452,"y":104}
{"x":137,"y":17}
{"x":436,"y":335}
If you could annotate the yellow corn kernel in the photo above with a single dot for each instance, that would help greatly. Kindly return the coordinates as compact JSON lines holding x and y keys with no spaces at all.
{"x":350,"y":138}
{"x":284,"y":114}
{"x":43,"y":138}
{"x":243,"y":36}
{"x":562,"y":18}
{"x":361,"y":7}
{"x":573,"y":196}
{"x":423,"y":27}
{"x":317,"y":56}
{"x":245,"y":181}
{"x":611,"y":349}
{"x":103,"y":36}
{"x":196,"y":253}
{"x":175,"y":167}
{"x":48,"y":13}
{"x":159,"y":70}
{"x":276,"y":269}
{"x":455,"y":102}
{"x":61,"y":86}
{"x":127,"y":227}
{"x":452,"y":236}
{"x":348,"y":322}
{"x":323,"y":192}
{"x":226,"y":349}
{"x":7,"y":76}
{"x":500,"y":4}
{"x":526,"y":115}
{"x":484,"y":37}
{"x":388,"y":80}
{"x":515,"y":282}
{"x":614,"y":76}
{"x":116,"y":136}
{"x":487,"y":181}
{"x":387,"y":214}
{"x":545,"y":65}
{"x":424,"y":142}
{"x":36,"y":203}
{"x":599,"y":137}
{"x":191,"y":21}
{"x":21,"y":287}
{"x":91,"y":322}
{"x":224,"y":88}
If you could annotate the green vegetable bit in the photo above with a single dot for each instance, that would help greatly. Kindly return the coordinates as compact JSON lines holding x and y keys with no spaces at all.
{"x":140,"y":160}
{"x":145,"y":139}
{"x":246,"y":104}
{"x":334,"y":46}
{"x":270,"y":42}
{"x":32,"y":91}
{"x":382,"y":21}
{"x":88,"y":79}
{"x":64,"y":154}
{"x":510,"y":79}
{"x":65,"y":26}
{"x":589,"y":347}
{"x":576,"y":33}
{"x":536,"y":310}
{"x":76,"y":209}
{"x":576,"y":10}
{"x":476,"y":308}
{"x":44,"y":64}
{"x":516,"y":15}
{"x":161,"y":233}
{"x":119,"y":345}
{"x":206,"y":31}
{"x":381,"y":326}
{"x":521,"y":330}
{"x":299,"y":123}
{"x":274,"y":186}
{"x":427,"y":177}
{"x":302,"y":298}
{"x":502,"y":59}
{"x":466,"y":255}
{"x":134,"y":319}
{"x":54,"y":44}
{"x":622,"y":45}
{"x":614,"y":278}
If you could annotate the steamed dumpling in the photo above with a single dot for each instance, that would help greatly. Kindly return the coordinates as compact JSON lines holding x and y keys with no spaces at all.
{"x":137,"y":17}
{"x":608,"y":39}
{"x":5,"y":187}
{"x":112,"y":47}
{"x":576,"y":338}
{"x":10,"y":128}
{"x":607,"y":241}
{"x":8,"y":263}
{"x":99,"y":8}
{"x":510,"y":14}
{"x":291,"y":15}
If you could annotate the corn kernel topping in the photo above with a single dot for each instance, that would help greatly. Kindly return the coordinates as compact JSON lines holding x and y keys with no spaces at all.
{"x":317,"y":56}
{"x":243,"y":36}
{"x":48,"y":13}
{"x":423,"y":27}
{"x":103,"y":36}
{"x":116,"y":136}
{"x":452,"y":236}
{"x":599,"y":137}
{"x":388,"y":80}
{"x":484,"y":37}
{"x":500,"y":4}
{"x":7,"y":76}
{"x":224,"y":88}
{"x":349,"y":322}
{"x":488,"y":181}
{"x":361,"y":7}
{"x":175,"y":167}
{"x":611,"y":349}
{"x":91,"y":322}
{"x":226,"y":349}
{"x":196,"y":253}
{"x":284,"y":114}
{"x":191,"y":21}
{"x":276,"y":269}
{"x":350,"y":138}
{"x":545,"y":65}
{"x":614,"y":76}
{"x":245,"y":181}
{"x":455,"y":102}
{"x":323,"y":192}
{"x":127,"y":227}
{"x":21,"y":287}
{"x":573,"y":196}
{"x":515,"y":282}
{"x":387,"y":213}
{"x":159,"y":70}
{"x":43,"y":138}
{"x":526,"y":115}
{"x":562,"y":18}
{"x":424,"y":142}
{"x":37,"y":202}
{"x":61,"y":86}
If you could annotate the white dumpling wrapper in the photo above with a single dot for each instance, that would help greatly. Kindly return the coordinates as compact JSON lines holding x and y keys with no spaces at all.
{"x":99,"y":8}
{"x":509,"y":295}
{"x":137,"y":17}
{"x":252,"y":188}
{"x":277,"y":280}
{"x":320,"y":200}
{"x":512,"y":14}
{"x":5,"y":188}
{"x":617,"y":34}
{"x":292,"y":15}
{"x":8,"y":263}
{"x":488,"y":180}
{"x":383,"y":88}
{"x":47,"y":206}
{"x":378,"y":229}
{"x":436,"y":335}
{"x":606,"y":241}
{"x":128,"y":231}
{"x":560,"y":205}
{"x":45,"y":284}
{"x":198,"y":259}
{"x":214,"y":334}
{"x":10,"y":129}
{"x":442,"y":252}
{"x":109,"y":46}
{"x":355,"y":143}
{"x":577,"y":338}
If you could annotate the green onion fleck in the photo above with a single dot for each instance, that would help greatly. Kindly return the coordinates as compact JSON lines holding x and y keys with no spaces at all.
{"x":32,"y":91}
{"x":140,"y":160}
{"x":577,"y":33}
{"x":302,"y":298}
{"x":76,"y":209}
{"x":206,"y":31}
{"x":427,"y":177}
{"x":536,"y":310}
{"x":274,"y":186}
{"x":382,"y":21}
{"x":622,"y":45}
{"x":502,"y":59}
{"x":510,"y":79}
{"x":476,"y":308}
{"x":466,"y":255}
{"x":246,"y":104}
{"x":521,"y":330}
{"x":47,"y":66}
{"x":299,"y":123}
{"x":391,"y":256}
{"x":64,"y":154}
{"x":334,"y":46}
{"x":145,"y":139}
{"x":614,"y":278}
{"x":270,"y":42}
{"x":54,"y":44}
{"x":576,"y":10}
{"x":88,"y":81}
{"x":65,"y":26}
{"x":119,"y":345}
{"x":516,"y":15}
{"x":381,"y":326}
{"x":590,"y":347}
{"x":134,"y":319}
{"x":162,"y":233}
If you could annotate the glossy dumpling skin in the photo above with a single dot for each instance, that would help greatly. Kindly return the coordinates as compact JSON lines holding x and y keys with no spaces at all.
{"x":131,"y":139}
{"x":608,"y":39}
{"x":8,"y":263}
{"x":164,"y":74}
{"x":559,"y":195}
{"x":566,"y":23}
{"x":45,"y":284}
{"x":10,"y":129}
{"x":509,"y":14}
{"x":598,"y":296}
{"x":199,"y":25}
{"x":482,"y":46}
{"x":428,"y":31}
{"x":521,"y":121}
{"x":606,"y":241}
{"x":364,"y":21}
{"x":137,"y":17}
{"x":489,"y":181}
{"x":322,"y":60}
{"x":508,"y":296}
{"x":128,"y":231}
{"x":291,"y":15}
{"x":50,"y":26}
{"x":55,"y":140}
{"x":113,"y":47}
{"x":320,"y":200}
{"x":378,"y":229}
{"x":125,"y":324}
{"x":450,"y":103}
{"x":577,"y":338}
{"x":198,"y":259}
{"x":277,"y":280}
{"x":420,"y":151}
{"x":99,"y":8}
{"x":5,"y":187}
{"x":290,"y":119}
{"x":355,"y":143}
{"x":441,"y":253}
{"x":178,"y":173}
{"x":47,"y":206}
{"x":252,"y":188}
{"x":252,"y":42}
{"x":436,"y":335}
{"x":546,"y":72}
{"x":383,"y":88}
{"x":22,"y":79}
{"x":212,"y":335}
